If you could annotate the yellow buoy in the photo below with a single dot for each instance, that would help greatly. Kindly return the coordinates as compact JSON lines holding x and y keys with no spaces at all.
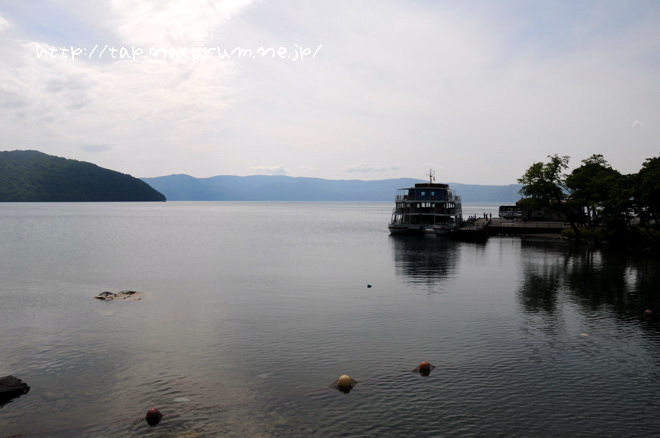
{"x":345,"y":383}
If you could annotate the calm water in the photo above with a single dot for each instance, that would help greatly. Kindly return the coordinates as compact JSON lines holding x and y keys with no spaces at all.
{"x":253,"y":309}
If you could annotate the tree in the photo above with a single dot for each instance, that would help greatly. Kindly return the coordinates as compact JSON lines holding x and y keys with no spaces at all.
{"x":644,"y":193}
{"x":620,"y":206}
{"x":544,"y":186}
{"x":592,"y":187}
{"x":648,"y":187}
{"x":595,"y":194}
{"x":543,"y":181}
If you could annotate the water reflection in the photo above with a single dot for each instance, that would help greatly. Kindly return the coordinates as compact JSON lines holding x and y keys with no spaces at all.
{"x":539,"y":288}
{"x":594,"y":279}
{"x":424,"y":260}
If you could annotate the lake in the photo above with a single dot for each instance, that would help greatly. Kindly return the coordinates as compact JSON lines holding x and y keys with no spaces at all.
{"x":252,"y":310}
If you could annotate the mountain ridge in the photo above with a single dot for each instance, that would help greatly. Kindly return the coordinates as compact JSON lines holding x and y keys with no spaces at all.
{"x":33,"y":176}
{"x":183,"y":187}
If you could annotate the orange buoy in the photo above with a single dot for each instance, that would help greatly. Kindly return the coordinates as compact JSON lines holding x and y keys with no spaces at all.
{"x":153,"y":417}
{"x":345,"y":383}
{"x":648,"y":314}
{"x":424,"y":368}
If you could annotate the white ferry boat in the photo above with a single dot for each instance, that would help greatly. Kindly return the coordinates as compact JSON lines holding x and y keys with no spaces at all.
{"x":426,"y":208}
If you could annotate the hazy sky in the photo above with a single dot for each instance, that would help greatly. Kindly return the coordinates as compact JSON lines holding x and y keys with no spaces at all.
{"x":476,"y":90}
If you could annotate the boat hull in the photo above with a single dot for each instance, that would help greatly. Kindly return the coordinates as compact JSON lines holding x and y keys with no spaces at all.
{"x":405,"y":228}
{"x":419,"y":228}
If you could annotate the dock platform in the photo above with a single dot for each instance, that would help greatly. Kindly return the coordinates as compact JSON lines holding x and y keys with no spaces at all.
{"x":509,"y":226}
{"x":480,"y":229}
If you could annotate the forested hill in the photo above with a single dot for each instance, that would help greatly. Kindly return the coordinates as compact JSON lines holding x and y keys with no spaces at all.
{"x":287,"y":188}
{"x":32,"y":176}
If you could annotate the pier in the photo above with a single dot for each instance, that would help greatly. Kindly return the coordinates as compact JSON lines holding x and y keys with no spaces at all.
{"x":518,"y":226}
{"x":481,"y":228}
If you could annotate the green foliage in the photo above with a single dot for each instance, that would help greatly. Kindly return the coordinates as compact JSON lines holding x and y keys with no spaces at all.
{"x":648,"y":188}
{"x":544,"y":186}
{"x":543,"y":181}
{"x":593,"y":187}
{"x":607,"y":205}
{"x":32,"y":176}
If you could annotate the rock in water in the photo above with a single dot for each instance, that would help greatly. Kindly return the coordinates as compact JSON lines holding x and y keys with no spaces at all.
{"x":108,"y":296}
{"x":125,"y":295}
{"x":10,"y":388}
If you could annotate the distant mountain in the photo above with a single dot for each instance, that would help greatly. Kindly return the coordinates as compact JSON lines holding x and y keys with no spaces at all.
{"x":286,"y":188}
{"x":32,"y":176}
{"x":482,"y":193}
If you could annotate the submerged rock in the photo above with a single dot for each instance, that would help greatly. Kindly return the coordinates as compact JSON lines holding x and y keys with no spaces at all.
{"x":105,"y":296}
{"x":10,"y":388}
{"x":125,"y":295}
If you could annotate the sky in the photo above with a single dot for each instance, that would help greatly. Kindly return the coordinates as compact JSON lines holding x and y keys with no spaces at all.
{"x":476,"y":90}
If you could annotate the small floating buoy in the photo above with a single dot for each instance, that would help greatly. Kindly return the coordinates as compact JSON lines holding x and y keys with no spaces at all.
{"x":648,"y":314}
{"x":153,"y":417}
{"x":424,"y":368}
{"x":345,"y":383}
{"x":368,"y":285}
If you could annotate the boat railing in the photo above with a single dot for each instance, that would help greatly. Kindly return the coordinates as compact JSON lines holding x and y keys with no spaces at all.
{"x":400,"y":198}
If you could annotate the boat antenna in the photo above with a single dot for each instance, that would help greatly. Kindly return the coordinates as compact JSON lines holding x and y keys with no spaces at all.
{"x":431,"y":176}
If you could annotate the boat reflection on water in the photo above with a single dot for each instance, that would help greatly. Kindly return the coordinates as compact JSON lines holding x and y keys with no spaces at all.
{"x":425,"y":259}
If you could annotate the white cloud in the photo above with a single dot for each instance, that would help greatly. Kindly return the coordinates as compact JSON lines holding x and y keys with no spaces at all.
{"x":367,"y":168}
{"x":96,"y":148}
{"x":145,"y":107}
{"x":636,"y":124}
{"x":111,"y":99}
{"x":4,"y":24}
{"x":270,"y":170}
{"x":172,"y":22}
